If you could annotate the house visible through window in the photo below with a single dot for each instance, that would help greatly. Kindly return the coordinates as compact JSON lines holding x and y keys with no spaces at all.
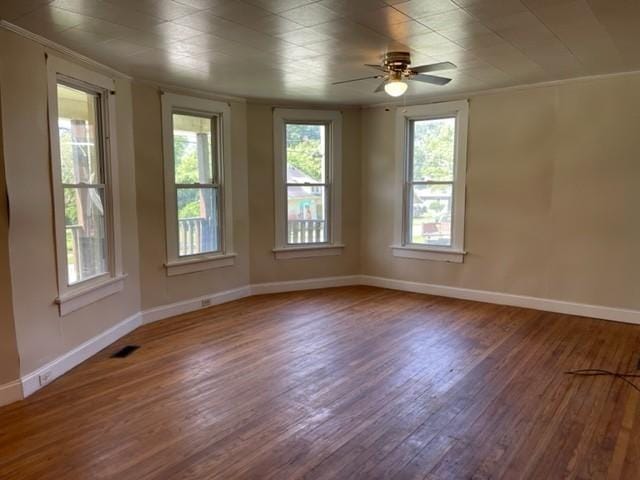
{"x":82,"y":169}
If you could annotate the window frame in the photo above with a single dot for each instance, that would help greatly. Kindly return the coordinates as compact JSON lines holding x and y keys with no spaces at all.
{"x":405,"y":117}
{"x":75,"y":296}
{"x":177,"y":264}
{"x":332,"y":120}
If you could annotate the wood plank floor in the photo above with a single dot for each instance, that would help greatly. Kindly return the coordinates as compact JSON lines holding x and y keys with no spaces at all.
{"x":353,"y":382}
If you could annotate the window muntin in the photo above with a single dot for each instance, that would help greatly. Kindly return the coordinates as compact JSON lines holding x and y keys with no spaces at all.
{"x":196,"y":149}
{"x":307,"y":158}
{"x":430,"y":182}
{"x":81,"y":140}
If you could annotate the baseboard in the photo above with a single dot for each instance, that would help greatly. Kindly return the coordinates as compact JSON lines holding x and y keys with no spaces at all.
{"x":186,"y":306}
{"x":308,"y":284}
{"x":10,"y":392}
{"x":536,"y":303}
{"x":64,"y":363}
{"x":30,"y":383}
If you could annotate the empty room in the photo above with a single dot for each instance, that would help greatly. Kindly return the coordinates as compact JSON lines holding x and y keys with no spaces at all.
{"x":319,"y":239}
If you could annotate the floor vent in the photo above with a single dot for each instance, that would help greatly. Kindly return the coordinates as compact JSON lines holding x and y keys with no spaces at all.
{"x":125,"y":351}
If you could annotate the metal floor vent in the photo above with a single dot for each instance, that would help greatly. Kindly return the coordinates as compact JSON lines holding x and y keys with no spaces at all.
{"x":125,"y":351}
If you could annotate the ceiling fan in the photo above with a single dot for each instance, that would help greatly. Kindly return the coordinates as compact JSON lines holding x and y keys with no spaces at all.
{"x":396,"y":70}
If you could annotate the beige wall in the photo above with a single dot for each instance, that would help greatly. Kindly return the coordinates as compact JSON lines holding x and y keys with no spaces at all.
{"x":264,"y":267}
{"x":42,"y":334}
{"x":552,"y":195}
{"x":9,"y":361}
{"x":157,"y":288}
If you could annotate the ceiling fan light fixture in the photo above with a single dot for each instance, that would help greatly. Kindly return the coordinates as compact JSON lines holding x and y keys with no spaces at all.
{"x":395,"y":87}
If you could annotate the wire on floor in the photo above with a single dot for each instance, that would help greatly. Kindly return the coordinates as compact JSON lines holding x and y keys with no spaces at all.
{"x":596,"y":372}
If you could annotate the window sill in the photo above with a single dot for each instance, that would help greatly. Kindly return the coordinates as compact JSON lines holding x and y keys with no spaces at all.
{"x":180,"y":267}
{"x":77,"y":299}
{"x":283,"y":253}
{"x":426,"y":253}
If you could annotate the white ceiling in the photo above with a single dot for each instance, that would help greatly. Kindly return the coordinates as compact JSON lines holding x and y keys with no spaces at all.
{"x":294,"y":49}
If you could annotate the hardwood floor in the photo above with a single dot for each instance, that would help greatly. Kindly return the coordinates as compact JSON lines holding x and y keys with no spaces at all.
{"x":353,"y":382}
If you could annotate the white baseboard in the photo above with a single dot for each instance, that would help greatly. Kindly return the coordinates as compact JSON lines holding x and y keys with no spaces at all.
{"x":10,"y":392}
{"x":64,"y":363}
{"x":308,"y":284}
{"x":536,"y":303}
{"x":186,"y":306}
{"x":30,"y":383}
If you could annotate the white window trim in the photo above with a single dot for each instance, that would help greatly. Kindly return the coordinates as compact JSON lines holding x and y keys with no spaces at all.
{"x":225,"y":257}
{"x":401,"y":248}
{"x":334,"y":245}
{"x":81,"y":294}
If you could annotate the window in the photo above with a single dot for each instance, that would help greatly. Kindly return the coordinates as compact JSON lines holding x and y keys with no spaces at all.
{"x":197,"y":198}
{"x":83,"y":154}
{"x":307,"y":182}
{"x":432,"y":142}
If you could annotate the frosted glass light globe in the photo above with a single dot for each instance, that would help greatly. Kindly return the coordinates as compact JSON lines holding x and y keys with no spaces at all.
{"x":395,"y":88}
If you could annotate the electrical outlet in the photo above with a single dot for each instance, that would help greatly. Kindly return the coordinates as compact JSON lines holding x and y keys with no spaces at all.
{"x":45,"y":378}
{"x":205,"y":302}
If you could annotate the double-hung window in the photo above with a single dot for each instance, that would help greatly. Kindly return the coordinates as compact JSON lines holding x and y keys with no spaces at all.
{"x":432,"y":151}
{"x":196,"y":183}
{"x":307,"y":146}
{"x":83,"y":153}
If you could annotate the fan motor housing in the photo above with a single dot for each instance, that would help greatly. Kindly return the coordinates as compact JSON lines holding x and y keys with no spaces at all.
{"x":397,"y":61}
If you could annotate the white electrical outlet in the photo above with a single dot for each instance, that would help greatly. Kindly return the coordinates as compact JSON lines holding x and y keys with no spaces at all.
{"x":206,"y":302}
{"x":45,"y":378}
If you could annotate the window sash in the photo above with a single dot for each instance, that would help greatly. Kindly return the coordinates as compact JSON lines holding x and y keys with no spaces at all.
{"x":215,"y":162}
{"x":326,"y":210}
{"x":408,"y":234}
{"x":217,"y":227}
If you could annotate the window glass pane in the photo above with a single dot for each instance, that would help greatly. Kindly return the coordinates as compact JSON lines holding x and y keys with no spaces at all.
{"x":433,"y":149}
{"x":198,"y":220}
{"x":192,"y":149}
{"x":78,"y":133}
{"x":306,"y":214}
{"x":306,"y":150}
{"x":85,"y":233}
{"x":430,"y":221}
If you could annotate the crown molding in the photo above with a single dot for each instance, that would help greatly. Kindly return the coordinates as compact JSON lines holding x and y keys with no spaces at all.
{"x":192,"y":92}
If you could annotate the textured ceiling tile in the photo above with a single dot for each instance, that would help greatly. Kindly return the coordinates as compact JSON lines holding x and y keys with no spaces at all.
{"x":294,"y":49}
{"x":423,"y":8}
{"x":348,"y":7}
{"x":311,"y":14}
{"x":303,"y":36}
{"x":14,"y":9}
{"x":49,"y":20}
{"x":447,"y":20}
{"x":380,"y":17}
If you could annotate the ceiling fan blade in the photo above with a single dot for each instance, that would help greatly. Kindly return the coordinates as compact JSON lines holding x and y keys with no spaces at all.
{"x":377,"y":67}
{"x":381,"y":86}
{"x":433,"y":67}
{"x":432,"y":79}
{"x":356,"y":79}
